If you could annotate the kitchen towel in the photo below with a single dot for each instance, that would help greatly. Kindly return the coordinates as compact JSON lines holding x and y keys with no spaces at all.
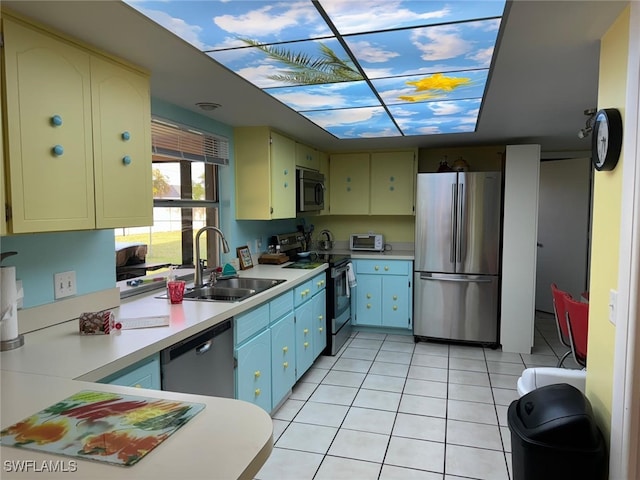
{"x":8,"y":304}
{"x":351,"y":278}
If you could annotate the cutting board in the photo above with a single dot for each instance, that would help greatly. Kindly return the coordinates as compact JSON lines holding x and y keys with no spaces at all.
{"x":273,"y":258}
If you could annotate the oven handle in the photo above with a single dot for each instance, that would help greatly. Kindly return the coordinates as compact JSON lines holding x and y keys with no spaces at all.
{"x":337,"y":271}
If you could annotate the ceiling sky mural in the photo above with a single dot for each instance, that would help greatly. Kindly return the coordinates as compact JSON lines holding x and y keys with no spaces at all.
{"x":356,"y":68}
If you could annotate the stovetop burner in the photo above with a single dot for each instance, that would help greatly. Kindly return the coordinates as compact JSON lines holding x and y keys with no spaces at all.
{"x":316,"y":259}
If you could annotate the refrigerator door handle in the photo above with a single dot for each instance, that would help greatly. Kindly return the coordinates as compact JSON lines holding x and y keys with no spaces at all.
{"x":448,"y":278}
{"x":452,"y":244}
{"x":461,"y":232}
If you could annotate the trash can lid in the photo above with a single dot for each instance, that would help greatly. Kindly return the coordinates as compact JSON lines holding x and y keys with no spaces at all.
{"x":556,"y":414}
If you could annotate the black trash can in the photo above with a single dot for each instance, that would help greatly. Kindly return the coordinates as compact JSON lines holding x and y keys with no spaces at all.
{"x":554,"y":436}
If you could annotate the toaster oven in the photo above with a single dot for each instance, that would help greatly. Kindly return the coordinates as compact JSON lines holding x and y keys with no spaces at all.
{"x":367,"y":242}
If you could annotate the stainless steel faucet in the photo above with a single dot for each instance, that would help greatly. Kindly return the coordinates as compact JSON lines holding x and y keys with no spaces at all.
{"x":197,"y":278}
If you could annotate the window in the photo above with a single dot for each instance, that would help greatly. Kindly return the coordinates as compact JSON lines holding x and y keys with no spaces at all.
{"x":186,"y":198}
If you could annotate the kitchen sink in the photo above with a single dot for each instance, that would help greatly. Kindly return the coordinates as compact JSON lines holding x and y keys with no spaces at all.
{"x":231,"y":289}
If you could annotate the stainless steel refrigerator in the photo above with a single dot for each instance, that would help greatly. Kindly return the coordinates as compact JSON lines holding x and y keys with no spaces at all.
{"x":457,"y":258}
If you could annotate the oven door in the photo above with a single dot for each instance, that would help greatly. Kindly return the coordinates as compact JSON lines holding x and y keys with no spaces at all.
{"x":341,"y":302}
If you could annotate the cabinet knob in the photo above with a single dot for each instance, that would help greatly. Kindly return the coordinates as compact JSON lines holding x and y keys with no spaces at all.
{"x":368,"y":295}
{"x":368,"y":305}
{"x":285,"y":364}
{"x":257,"y":374}
{"x":306,"y":344}
{"x":320,"y":317}
{"x":126,"y":136}
{"x":395,"y":307}
{"x":348,"y":179}
{"x":392,"y":179}
{"x":57,"y":151}
{"x":305,"y":331}
{"x":137,"y":385}
{"x":285,"y":349}
{"x":56,"y":120}
{"x":376,"y":268}
{"x":386,"y":269}
{"x":348,"y":189}
{"x":392,"y":188}
{"x":258,"y":392}
{"x":126,"y":160}
{"x":321,"y":329}
{"x":286,"y":172}
{"x":395,"y":297}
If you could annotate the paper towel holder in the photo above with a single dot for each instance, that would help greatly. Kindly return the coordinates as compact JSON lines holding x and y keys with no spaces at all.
{"x":19,"y":340}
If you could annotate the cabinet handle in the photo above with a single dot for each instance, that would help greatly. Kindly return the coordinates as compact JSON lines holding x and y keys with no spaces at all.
{"x":368,"y":305}
{"x":285,"y":364}
{"x":306,"y":344}
{"x":305,"y":331}
{"x":376,"y":268}
{"x":285,"y":349}
{"x":368,"y":295}
{"x":386,"y":268}
{"x":257,"y":374}
{"x":395,"y":307}
{"x":126,"y":160}
{"x":395,"y":297}
{"x":126,"y":136}
{"x":56,"y":120}
{"x":258,"y":392}
{"x":57,"y":151}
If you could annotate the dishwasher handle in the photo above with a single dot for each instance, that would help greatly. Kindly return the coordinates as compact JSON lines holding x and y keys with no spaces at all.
{"x":204,"y":348}
{"x":201,"y":342}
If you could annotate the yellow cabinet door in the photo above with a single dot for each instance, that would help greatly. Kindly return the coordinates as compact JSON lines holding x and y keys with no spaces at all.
{"x":393,"y":183}
{"x":323,"y":163}
{"x":122,"y":145}
{"x":283,"y":177}
{"x":49,"y":144}
{"x":349,"y":178}
{"x":3,"y":223}
{"x":307,"y":157}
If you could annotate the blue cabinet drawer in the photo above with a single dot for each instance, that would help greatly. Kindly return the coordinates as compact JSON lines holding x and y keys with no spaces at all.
{"x":251,"y":322}
{"x":319,"y":283}
{"x":280,"y":306}
{"x":143,"y":374}
{"x":302,"y":293}
{"x":383,"y":267}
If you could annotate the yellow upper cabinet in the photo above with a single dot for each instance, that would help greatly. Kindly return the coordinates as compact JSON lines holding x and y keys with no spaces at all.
{"x":393,"y":176}
{"x":265,"y":174}
{"x":323,"y":162}
{"x":122,"y":145}
{"x":49,"y":142}
{"x":349,"y":179}
{"x":307,"y":157}
{"x":59,"y":97}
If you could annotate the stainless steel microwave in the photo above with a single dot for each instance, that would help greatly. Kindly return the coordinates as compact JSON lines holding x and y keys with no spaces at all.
{"x":310,"y":190}
{"x":367,"y":241}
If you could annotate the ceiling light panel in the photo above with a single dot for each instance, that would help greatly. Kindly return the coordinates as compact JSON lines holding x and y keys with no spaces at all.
{"x":356,"y":69}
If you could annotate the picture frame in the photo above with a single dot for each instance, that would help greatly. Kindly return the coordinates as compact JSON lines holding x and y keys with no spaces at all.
{"x":244,"y":255}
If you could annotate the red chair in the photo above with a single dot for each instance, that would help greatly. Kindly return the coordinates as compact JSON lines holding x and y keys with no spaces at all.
{"x":578,"y":324}
{"x":561,"y":319}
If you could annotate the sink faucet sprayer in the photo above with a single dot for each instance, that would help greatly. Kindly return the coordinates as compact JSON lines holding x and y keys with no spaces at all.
{"x":197,"y":278}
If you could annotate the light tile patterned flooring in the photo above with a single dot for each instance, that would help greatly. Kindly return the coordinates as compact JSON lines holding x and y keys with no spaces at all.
{"x":386,"y":408}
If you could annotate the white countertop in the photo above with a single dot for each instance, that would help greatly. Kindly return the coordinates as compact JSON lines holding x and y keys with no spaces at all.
{"x":229,"y":439}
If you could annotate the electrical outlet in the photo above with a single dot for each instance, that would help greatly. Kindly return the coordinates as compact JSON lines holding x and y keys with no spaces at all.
{"x":64,"y":284}
{"x":258,"y":245}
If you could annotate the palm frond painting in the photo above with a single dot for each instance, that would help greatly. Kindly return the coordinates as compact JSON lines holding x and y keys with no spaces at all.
{"x":304,"y":69}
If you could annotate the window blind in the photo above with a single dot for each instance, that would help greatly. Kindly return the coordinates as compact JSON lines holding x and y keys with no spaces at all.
{"x":172,"y":141}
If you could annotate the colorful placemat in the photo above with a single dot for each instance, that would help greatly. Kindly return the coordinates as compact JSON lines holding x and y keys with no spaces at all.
{"x":102,"y":426}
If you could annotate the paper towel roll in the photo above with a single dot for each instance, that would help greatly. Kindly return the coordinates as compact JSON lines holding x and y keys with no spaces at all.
{"x":8,"y":304}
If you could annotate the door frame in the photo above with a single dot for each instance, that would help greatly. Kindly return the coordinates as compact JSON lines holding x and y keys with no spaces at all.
{"x":624,"y":461}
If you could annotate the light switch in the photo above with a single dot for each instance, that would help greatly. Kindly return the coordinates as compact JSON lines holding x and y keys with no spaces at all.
{"x":613,"y":305}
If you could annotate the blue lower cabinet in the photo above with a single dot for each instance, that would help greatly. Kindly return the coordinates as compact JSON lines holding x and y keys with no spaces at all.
{"x":253,"y":371}
{"x":143,"y":374}
{"x":283,"y":358}
{"x":304,"y":338}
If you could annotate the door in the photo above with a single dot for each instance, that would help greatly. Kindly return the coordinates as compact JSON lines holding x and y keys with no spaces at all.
{"x":349,"y":175}
{"x":435,"y":222}
{"x":283,"y":176}
{"x":563,"y":228}
{"x":478,"y":230}
{"x":392,"y":183}
{"x":456,"y":307}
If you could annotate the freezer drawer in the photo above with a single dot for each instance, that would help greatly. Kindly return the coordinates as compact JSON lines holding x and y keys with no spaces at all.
{"x":456,"y":307}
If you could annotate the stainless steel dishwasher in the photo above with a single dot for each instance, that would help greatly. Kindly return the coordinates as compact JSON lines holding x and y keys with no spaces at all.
{"x":201,"y":364}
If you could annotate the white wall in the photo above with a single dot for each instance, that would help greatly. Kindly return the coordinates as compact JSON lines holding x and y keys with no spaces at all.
{"x":522,"y":176}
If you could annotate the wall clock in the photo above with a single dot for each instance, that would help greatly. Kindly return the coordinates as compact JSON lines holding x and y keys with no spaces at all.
{"x":606,"y":143}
